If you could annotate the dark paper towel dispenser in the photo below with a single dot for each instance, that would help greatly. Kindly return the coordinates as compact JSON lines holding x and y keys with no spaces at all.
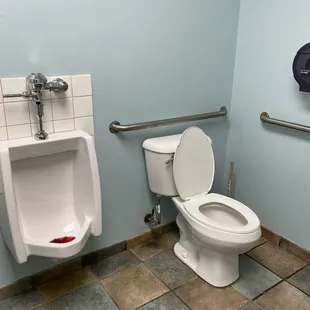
{"x":301,"y":68}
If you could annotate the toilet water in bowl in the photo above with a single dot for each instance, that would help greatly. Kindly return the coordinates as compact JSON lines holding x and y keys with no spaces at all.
{"x":224,"y":215}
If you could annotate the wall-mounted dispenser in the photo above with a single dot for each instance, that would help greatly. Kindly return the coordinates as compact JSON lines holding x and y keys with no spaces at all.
{"x":301,"y":68}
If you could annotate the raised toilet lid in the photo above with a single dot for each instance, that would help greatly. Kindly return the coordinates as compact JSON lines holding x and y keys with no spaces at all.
{"x":193,"y":166}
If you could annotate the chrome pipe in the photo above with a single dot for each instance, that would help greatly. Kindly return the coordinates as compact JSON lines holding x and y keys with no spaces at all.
{"x":264,"y":117}
{"x":115,"y":126}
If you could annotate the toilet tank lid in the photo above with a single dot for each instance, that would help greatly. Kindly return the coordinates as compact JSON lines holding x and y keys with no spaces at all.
{"x":162,"y":145}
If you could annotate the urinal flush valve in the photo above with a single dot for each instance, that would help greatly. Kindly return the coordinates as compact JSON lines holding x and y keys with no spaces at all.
{"x":36,"y":83}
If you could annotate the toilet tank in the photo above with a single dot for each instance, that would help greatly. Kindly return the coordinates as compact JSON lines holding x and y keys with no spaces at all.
{"x":159,"y":173}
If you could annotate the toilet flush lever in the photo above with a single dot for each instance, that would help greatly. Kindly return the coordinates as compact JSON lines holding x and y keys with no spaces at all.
{"x":170,"y":160}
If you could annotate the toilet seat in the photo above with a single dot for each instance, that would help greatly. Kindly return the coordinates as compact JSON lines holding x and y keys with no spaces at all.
{"x":193,"y":171}
{"x":193,"y":206}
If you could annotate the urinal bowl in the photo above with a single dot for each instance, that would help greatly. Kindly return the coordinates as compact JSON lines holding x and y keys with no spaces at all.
{"x":51,"y":190}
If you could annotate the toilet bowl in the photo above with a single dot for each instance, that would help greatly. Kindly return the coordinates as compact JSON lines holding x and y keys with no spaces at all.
{"x":214,"y":229}
{"x":49,"y":190}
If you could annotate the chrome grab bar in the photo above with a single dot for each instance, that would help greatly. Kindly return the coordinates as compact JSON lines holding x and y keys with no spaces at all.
{"x":264,"y":117}
{"x":115,"y":126}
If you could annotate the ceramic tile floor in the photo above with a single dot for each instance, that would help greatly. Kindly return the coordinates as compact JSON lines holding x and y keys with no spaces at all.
{"x":150,"y":277}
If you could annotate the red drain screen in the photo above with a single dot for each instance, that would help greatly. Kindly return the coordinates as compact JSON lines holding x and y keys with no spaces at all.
{"x":63,"y":239}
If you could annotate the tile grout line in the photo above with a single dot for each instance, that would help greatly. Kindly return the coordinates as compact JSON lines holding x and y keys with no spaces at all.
{"x":282,"y":281}
{"x":286,"y":280}
{"x":109,"y":295}
{"x":267,"y":290}
{"x":248,"y":303}
{"x":296,"y":271}
{"x":152,"y":239}
{"x":256,"y":246}
{"x":186,"y":304}
{"x":171,"y":249}
{"x":152,"y":300}
{"x":173,"y":292}
{"x":164,"y":251}
{"x":157,"y":277}
{"x":68,"y":292}
{"x":264,"y":266}
{"x":44,"y":302}
{"x":282,"y":278}
{"x":171,"y":289}
{"x":298,"y":288}
{"x":138,"y":258}
{"x":73,"y":111}
{"x":153,"y":273}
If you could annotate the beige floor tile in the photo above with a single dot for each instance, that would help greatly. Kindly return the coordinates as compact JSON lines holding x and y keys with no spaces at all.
{"x":260,"y":241}
{"x":284,"y":297}
{"x":155,"y":246}
{"x":134,"y":286}
{"x":199,"y":295}
{"x":277,"y":260}
{"x":66,"y":284}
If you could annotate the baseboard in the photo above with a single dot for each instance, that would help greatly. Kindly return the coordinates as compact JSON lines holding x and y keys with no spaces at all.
{"x":160,"y":230}
{"x":69,"y":266}
{"x":286,"y":244}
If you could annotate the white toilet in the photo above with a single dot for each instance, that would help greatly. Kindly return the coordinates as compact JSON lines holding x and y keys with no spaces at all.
{"x":50,"y":190}
{"x":214,"y":229}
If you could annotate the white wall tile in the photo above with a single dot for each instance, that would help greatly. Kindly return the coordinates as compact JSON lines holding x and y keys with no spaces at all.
{"x":62,"y":108}
{"x":47,"y":109}
{"x":1,"y":98}
{"x":64,"y":125}
{"x":47,"y":126}
{"x":46,"y":95}
{"x":83,"y":106}
{"x":13,"y":86}
{"x":81,"y":85}
{"x":62,"y":111}
{"x":17,"y":113}
{"x":3,"y":133}
{"x":85,"y":123}
{"x":66,"y":94}
{"x":19,"y":131}
{"x":2,"y":116}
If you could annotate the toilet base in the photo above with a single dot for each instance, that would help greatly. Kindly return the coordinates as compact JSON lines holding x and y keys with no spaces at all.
{"x":216,"y":268}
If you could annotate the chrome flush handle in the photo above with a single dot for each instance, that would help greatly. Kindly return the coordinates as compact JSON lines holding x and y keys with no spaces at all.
{"x":169,"y":161}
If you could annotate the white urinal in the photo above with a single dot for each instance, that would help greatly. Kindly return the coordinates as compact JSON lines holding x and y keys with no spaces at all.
{"x":51,"y":190}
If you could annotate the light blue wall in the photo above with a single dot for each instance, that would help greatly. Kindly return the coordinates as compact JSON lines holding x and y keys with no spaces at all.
{"x":271,"y":163}
{"x":148,"y":60}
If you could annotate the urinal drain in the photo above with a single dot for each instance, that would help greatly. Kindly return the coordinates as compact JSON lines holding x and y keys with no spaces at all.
{"x":63,"y":239}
